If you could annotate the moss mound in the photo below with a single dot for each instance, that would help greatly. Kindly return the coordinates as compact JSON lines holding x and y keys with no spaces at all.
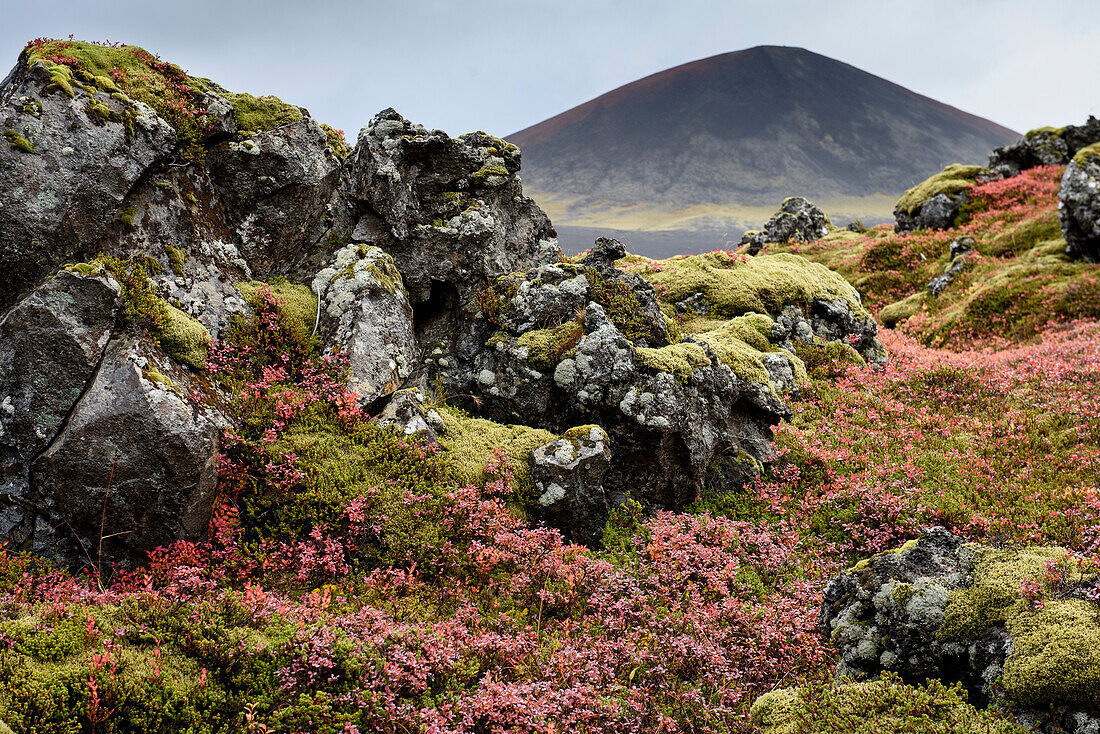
{"x":183,"y":338}
{"x":471,"y":442}
{"x":260,"y":114}
{"x":886,"y":705}
{"x":734,"y":285}
{"x":296,"y":301}
{"x":950,"y":181}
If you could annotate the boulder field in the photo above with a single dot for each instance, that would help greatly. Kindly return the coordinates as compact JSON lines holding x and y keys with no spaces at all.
{"x":134,"y":238}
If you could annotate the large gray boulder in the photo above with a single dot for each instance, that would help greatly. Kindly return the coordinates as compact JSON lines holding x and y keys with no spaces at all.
{"x":450,"y":211}
{"x":135,"y":433}
{"x":80,"y":400}
{"x":1079,"y":205}
{"x":942,"y":608}
{"x":365,"y":313}
{"x":67,"y":165}
{"x":51,"y":343}
{"x":798,"y":220}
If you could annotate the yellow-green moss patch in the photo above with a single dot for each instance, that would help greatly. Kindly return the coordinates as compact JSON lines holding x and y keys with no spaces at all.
{"x":950,"y":181}
{"x":545,"y":347}
{"x":1055,"y":654}
{"x":764,"y":284}
{"x":470,"y":443}
{"x":18,"y":141}
{"x":1086,"y":154}
{"x":679,"y":360}
{"x":183,"y":338}
{"x":901,"y":310}
{"x":298,"y":302}
{"x":336,"y":141}
{"x":260,"y":114}
{"x":176,"y":259}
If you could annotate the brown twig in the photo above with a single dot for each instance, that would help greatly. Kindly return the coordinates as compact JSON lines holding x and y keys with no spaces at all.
{"x":102,"y":520}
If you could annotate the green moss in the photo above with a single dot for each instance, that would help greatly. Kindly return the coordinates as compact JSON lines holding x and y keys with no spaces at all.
{"x":994,"y":597}
{"x":951,"y":180}
{"x":18,"y":141}
{"x":1086,"y":154}
{"x":490,"y":169}
{"x":1023,"y":236}
{"x":901,"y":310}
{"x":623,"y":308}
{"x":873,"y":707}
{"x":470,"y":443}
{"x":1055,"y":654}
{"x":152,"y":375}
{"x":92,"y":268}
{"x":298,"y":302}
{"x":823,"y":359}
{"x":260,"y":114}
{"x":763,"y":284}
{"x":545,"y":347}
{"x":183,"y":338}
{"x":126,"y":216}
{"x":61,"y":79}
{"x":742,"y":342}
{"x":336,"y":141}
{"x":1056,"y":132}
{"x":176,"y":259}
{"x":679,"y":360}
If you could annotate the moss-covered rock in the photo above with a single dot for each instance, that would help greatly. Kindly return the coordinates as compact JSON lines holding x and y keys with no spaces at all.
{"x":952,"y":180}
{"x":297,"y":301}
{"x":183,"y":338}
{"x":260,"y":114}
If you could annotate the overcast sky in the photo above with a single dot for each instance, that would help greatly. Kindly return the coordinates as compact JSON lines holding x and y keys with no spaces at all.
{"x":501,"y":65}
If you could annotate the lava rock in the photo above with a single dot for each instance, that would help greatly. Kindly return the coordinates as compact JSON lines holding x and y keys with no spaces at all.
{"x":941,"y":608}
{"x":798,"y":219}
{"x":450,"y":211}
{"x":1045,"y":147}
{"x":568,"y":474}
{"x":51,"y":343}
{"x":365,"y":314}
{"x":277,"y":188}
{"x":1079,"y":205}
{"x":937,"y":285}
{"x":64,"y":189}
{"x":960,"y":246}
{"x":134,"y":467}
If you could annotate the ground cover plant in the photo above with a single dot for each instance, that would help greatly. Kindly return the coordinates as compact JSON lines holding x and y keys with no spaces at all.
{"x":355,"y":580}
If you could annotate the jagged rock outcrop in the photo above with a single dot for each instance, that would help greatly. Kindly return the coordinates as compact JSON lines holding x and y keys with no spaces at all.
{"x":797,"y":219}
{"x":278,"y":192}
{"x":1045,"y":146}
{"x":67,"y":164}
{"x":364,"y":313}
{"x":939,"y":284}
{"x":1079,"y":207}
{"x":450,"y":211}
{"x":942,"y":608}
{"x":586,"y":343}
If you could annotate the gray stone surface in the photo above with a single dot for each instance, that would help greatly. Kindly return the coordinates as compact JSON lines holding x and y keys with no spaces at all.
{"x":57,"y":201}
{"x":364,"y":312}
{"x":568,"y":475}
{"x":1079,"y":208}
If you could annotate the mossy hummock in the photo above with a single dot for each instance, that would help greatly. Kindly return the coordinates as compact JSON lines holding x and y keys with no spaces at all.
{"x":952,"y":180}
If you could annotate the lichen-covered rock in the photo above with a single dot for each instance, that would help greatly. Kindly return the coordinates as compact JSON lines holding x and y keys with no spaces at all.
{"x":64,"y":188}
{"x":586,"y":343}
{"x":450,"y":211}
{"x":797,"y":220}
{"x":1045,"y":146}
{"x":51,"y":343}
{"x":277,"y":189}
{"x":568,"y":475}
{"x":135,"y":433}
{"x":935,"y":202}
{"x":1079,"y":205}
{"x":364,"y":312}
{"x":941,"y":608}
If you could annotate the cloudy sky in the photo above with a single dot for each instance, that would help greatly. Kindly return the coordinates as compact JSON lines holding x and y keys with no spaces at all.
{"x":501,"y":65}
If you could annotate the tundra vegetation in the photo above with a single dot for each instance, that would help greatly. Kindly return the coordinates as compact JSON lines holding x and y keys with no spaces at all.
{"x":355,"y":579}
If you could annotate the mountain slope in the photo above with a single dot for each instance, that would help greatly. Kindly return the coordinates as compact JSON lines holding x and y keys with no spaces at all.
{"x":745,"y":129}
